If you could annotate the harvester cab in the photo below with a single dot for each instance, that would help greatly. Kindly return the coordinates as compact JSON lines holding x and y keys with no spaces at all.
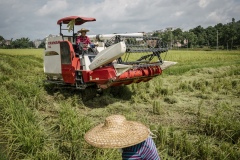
{"x":118,"y":59}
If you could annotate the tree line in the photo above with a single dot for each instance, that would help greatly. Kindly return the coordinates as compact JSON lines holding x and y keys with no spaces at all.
{"x":220,"y":36}
{"x":19,"y":43}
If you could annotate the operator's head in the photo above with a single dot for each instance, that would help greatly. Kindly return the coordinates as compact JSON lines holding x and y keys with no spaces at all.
{"x":83,"y":31}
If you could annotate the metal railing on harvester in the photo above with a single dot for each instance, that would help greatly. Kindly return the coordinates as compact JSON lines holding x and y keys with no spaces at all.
{"x":150,"y":47}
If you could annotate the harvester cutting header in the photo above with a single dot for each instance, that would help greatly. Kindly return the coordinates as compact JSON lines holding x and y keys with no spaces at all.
{"x":117,"y":59}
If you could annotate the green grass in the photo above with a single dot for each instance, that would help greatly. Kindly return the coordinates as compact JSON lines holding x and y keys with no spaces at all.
{"x":193,"y":109}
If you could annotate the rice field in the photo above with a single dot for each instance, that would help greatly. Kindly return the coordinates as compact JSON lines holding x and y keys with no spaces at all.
{"x":193,"y":108}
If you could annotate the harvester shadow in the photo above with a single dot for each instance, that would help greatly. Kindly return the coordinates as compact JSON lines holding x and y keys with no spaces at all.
{"x":90,"y":97}
{"x":109,"y":96}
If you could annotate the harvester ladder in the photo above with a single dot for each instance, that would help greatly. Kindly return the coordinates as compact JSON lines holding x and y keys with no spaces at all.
{"x":79,"y":80}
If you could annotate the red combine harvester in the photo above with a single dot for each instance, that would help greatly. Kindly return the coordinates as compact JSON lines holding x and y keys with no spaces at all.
{"x":109,"y":64}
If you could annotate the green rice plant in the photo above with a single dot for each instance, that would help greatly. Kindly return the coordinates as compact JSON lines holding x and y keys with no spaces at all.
{"x":185,"y":146}
{"x":235,"y":84}
{"x":72,"y":127}
{"x":234,"y":71}
{"x":227,"y":71}
{"x":226,"y":151}
{"x":188,"y":147}
{"x":179,"y":145}
{"x":178,"y":70}
{"x":188,"y":60}
{"x":21,"y":89}
{"x":22,"y":129}
{"x":103,"y":154}
{"x":162,"y":137}
{"x":119,"y":108}
{"x":204,"y":151}
{"x":144,"y":97}
{"x":6,"y":69}
{"x":2,"y":156}
{"x":164,"y":91}
{"x":158,"y":85}
{"x":216,"y":85}
{"x":50,"y":153}
{"x":3,"y":78}
{"x":147,"y":84}
{"x":199,"y":85}
{"x":161,"y":90}
{"x":139,"y":93}
{"x":185,"y":86}
{"x":26,"y":52}
{"x":225,"y":85}
{"x":173,"y":144}
{"x":203,"y":96}
{"x":170,"y":99}
{"x":157,"y":108}
{"x":221,"y":124}
{"x":199,"y":116}
{"x":75,"y":101}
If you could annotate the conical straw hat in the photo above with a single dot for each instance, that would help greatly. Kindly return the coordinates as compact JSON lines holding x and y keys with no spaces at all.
{"x":83,"y":30}
{"x":117,"y":132}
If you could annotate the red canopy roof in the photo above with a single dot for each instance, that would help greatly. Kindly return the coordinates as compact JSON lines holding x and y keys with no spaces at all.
{"x":78,"y":20}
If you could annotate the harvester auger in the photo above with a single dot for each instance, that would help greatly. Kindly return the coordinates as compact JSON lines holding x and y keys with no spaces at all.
{"x":119,"y":59}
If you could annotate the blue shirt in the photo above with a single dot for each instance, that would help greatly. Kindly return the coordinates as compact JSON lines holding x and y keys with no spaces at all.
{"x":145,"y":150}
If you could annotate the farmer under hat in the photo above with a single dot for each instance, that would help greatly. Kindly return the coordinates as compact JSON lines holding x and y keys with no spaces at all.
{"x":132,"y":137}
{"x":83,"y":38}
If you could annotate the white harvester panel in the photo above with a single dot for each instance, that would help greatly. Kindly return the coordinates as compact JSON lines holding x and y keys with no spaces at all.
{"x":52,"y":56}
{"x":86,"y":60}
{"x":108,"y":55}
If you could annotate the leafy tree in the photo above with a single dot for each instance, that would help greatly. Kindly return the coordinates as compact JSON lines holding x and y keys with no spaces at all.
{"x":1,"y":38}
{"x":21,"y":43}
{"x":42,"y":45}
{"x":177,"y":35}
{"x":167,"y":37}
{"x":237,"y":28}
{"x":31,"y":44}
{"x":220,"y":33}
{"x":211,"y":36}
{"x":233,"y":32}
{"x":201,"y":35}
{"x":1,"y":41}
{"x":190,"y":38}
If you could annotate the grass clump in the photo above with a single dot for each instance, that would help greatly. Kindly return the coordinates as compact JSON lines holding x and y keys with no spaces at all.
{"x":170,"y":99}
{"x":185,"y":86}
{"x":157,"y":108}
{"x":221,"y":124}
{"x":23,"y":129}
{"x":71,"y":128}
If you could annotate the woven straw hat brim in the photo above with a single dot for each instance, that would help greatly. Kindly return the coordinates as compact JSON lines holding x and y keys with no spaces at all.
{"x":123,"y":136}
{"x":83,"y":30}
